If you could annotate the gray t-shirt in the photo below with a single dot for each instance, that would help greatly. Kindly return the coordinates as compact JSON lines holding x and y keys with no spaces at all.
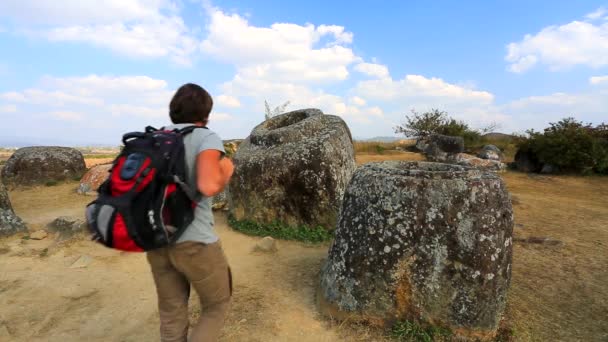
{"x":201,"y":229}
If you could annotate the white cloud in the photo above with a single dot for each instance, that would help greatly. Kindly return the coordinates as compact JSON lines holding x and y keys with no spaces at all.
{"x":281,"y":52}
{"x":598,"y":79}
{"x":537,"y":111}
{"x":559,"y":47}
{"x":133,"y":28}
{"x":597,"y":14}
{"x":356,"y":100}
{"x":67,"y":115}
{"x":417,"y":86}
{"x":227,"y":101}
{"x":81,"y":12}
{"x":220,"y":116}
{"x":97,"y":108}
{"x":372,"y":69}
{"x":12,"y":96}
{"x":10,"y":108}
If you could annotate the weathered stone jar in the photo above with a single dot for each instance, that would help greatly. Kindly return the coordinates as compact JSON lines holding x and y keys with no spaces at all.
{"x":293,"y":168}
{"x":421,"y":241}
{"x":41,"y":164}
{"x":9,"y":222}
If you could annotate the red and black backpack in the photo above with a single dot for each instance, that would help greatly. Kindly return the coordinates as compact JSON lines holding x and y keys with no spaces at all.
{"x":145,"y":203}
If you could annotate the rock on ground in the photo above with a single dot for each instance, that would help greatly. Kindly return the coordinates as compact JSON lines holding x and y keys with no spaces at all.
{"x":91,"y":180}
{"x":10,"y":223}
{"x":446,"y":143}
{"x":527,"y":161}
{"x":421,"y":241}
{"x":549,"y":169}
{"x":67,"y":225}
{"x":491,"y":152}
{"x":39,"y":235}
{"x":42,"y":164}
{"x":293,"y":168}
{"x":266,"y":245}
{"x":479,"y":163}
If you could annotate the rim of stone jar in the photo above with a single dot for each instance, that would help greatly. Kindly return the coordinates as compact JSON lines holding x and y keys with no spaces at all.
{"x":425,"y":169}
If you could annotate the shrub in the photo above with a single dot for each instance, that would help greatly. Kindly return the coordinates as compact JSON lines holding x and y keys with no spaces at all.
{"x":570,"y":145}
{"x":420,"y":125}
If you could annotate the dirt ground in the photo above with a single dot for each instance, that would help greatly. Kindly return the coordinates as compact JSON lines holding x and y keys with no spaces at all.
{"x":558,"y":292}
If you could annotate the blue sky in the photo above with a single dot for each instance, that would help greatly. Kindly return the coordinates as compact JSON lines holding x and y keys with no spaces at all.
{"x":84,"y":72}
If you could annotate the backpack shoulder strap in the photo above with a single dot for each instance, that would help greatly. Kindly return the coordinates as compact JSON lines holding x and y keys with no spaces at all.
{"x":189,"y":129}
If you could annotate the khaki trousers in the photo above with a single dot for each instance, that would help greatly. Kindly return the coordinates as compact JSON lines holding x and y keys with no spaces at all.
{"x":175,"y":269}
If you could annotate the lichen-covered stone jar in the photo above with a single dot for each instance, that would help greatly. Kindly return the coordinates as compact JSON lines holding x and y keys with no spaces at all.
{"x":294,"y":169}
{"x":421,"y":241}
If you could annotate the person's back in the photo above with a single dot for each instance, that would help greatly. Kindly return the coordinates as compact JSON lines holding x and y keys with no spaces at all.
{"x":197,"y":258}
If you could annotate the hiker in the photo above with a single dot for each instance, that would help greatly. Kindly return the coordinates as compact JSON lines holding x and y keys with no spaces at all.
{"x":197,"y":258}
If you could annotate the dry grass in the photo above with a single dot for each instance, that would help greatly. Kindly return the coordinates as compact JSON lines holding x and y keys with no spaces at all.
{"x":379,"y":147}
{"x":560,"y":293}
{"x":363,"y":158}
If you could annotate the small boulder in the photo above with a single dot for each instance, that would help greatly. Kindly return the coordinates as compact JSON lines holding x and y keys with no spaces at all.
{"x":491,"y":152}
{"x":527,"y":161}
{"x":39,"y":235}
{"x":42,"y":164}
{"x":549,"y":169}
{"x":91,"y":180}
{"x":479,"y":163}
{"x":10,"y":223}
{"x":67,"y":226}
{"x":266,"y":245}
{"x":447,"y":144}
{"x":422,"y":144}
{"x":82,"y":262}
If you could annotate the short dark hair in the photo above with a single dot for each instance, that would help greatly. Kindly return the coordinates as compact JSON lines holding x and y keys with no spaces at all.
{"x":191,"y":103}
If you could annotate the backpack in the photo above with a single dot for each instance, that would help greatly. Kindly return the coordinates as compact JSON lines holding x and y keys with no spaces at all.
{"x":145,"y":203}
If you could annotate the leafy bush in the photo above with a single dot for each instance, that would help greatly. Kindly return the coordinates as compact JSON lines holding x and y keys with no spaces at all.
{"x":570,"y":145}
{"x":280,"y":230}
{"x":420,"y":125}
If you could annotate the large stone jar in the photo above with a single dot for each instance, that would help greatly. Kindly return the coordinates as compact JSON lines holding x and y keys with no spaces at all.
{"x":40,"y":164}
{"x":10,"y":223}
{"x":420,"y":241}
{"x":293,"y":169}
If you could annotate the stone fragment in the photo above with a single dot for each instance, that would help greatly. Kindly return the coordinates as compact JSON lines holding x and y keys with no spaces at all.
{"x":39,"y":235}
{"x":91,"y":180}
{"x":82,"y":262}
{"x":491,"y":152}
{"x":266,"y":245}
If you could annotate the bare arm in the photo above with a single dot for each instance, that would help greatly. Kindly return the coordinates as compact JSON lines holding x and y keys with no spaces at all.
{"x":213,"y":172}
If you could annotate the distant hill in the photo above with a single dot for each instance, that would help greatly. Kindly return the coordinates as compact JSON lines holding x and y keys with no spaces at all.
{"x":498,"y":136}
{"x":381,"y":139}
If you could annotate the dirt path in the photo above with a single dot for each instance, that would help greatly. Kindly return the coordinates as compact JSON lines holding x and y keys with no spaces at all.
{"x":113,"y":297}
